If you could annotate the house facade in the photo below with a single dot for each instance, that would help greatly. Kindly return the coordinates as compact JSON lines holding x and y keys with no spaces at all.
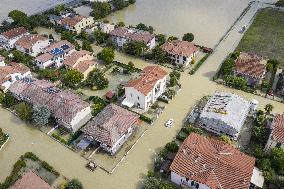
{"x":120,"y":36}
{"x":224,"y":113}
{"x":76,"y":23}
{"x":143,"y":91}
{"x":67,"y":108}
{"x":11,"y":73}
{"x":276,"y":137}
{"x":106,"y":27}
{"x":111,"y":128}
{"x":32,"y":44}
{"x":10,"y":37}
{"x":55,"y":54}
{"x":204,"y":163}
{"x":251,"y":67}
{"x":180,"y":52}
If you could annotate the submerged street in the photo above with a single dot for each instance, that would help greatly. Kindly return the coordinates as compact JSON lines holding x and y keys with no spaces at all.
{"x":131,"y":171}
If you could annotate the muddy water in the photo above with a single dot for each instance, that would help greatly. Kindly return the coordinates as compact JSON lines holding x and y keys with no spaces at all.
{"x":207,"y":19}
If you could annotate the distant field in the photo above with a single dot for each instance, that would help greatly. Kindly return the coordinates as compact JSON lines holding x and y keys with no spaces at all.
{"x":265,"y":37}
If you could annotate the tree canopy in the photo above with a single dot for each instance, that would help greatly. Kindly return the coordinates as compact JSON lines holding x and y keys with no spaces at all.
{"x":106,"y":55}
{"x":188,"y":37}
{"x":41,"y":114}
{"x":101,"y":10}
{"x":72,"y":78}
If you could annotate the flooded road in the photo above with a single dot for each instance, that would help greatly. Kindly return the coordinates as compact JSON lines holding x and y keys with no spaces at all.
{"x":135,"y":166}
{"x":208,"y":20}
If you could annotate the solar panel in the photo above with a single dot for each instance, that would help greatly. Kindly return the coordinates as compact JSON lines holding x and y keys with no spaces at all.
{"x":57,"y":51}
{"x":64,"y":47}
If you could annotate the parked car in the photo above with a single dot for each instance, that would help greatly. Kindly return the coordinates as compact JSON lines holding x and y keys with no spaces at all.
{"x":243,"y":29}
{"x":170,"y":123}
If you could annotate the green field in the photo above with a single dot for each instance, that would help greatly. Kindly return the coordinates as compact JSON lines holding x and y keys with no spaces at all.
{"x":265,"y":37}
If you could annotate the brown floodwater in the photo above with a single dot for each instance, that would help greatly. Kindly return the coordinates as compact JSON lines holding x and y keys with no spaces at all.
{"x":135,"y":166}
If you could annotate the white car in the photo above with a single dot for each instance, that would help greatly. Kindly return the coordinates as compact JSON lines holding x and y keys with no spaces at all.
{"x":170,"y":123}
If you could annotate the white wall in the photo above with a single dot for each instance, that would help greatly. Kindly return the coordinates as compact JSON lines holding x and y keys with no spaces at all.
{"x":76,"y":122}
{"x":175,"y":178}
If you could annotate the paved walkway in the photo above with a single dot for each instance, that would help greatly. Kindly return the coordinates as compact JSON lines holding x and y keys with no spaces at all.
{"x":131,"y":171}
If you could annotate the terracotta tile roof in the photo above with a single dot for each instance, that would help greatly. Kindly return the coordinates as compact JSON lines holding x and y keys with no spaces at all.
{"x":278,"y":130}
{"x":213,"y":163}
{"x":250,"y":64}
{"x":133,"y":34}
{"x":59,"y":44}
{"x":29,"y":40}
{"x":147,"y":80}
{"x":11,"y":68}
{"x":110,"y":124}
{"x":72,"y":21}
{"x":31,"y":181}
{"x":84,"y":65}
{"x":64,"y":105}
{"x":73,"y":58}
{"x":14,"y":32}
{"x":180,"y":48}
{"x":44,"y":57}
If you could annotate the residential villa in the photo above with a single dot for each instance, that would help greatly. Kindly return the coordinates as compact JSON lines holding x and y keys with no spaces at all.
{"x":11,"y":73}
{"x":111,"y":127}
{"x":143,"y":91}
{"x":276,"y":137}
{"x":81,"y":61}
{"x":55,"y":54}
{"x":10,"y":37}
{"x":30,"y":181}
{"x":205,"y":163}
{"x":66,"y":107}
{"x":32,"y":44}
{"x":224,"y":113}
{"x":106,"y":27}
{"x":180,"y":52}
{"x":251,"y":67}
{"x":120,"y":36}
{"x":76,"y":23}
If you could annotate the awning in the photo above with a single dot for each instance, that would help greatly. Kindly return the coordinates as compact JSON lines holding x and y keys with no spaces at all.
{"x":127,"y":103}
{"x":84,"y":143}
{"x":257,"y":178}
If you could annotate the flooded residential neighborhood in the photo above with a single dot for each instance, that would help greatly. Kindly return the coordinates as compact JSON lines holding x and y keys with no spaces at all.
{"x":215,"y":24}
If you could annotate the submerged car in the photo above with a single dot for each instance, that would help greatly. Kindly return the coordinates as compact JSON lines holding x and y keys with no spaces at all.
{"x":170,"y":123}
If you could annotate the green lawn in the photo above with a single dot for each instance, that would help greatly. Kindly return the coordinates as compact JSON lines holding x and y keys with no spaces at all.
{"x":265,"y":37}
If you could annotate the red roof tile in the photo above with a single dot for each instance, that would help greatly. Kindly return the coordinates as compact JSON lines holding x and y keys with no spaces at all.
{"x":28,"y":41}
{"x":84,"y":65}
{"x":213,"y":163}
{"x":72,"y":21}
{"x":73,"y":58}
{"x":180,"y":48}
{"x":14,"y":32}
{"x":278,"y":130}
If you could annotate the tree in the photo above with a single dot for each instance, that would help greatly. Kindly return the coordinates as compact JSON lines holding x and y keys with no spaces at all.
{"x":164,"y":185}
{"x":143,"y":27}
{"x":98,"y":105}
{"x":268,"y":108}
{"x":69,"y":36}
{"x":135,"y":48}
{"x":118,"y":4}
{"x":274,"y":62}
{"x":96,"y":78}
{"x":19,"y":18}
{"x":72,"y":78}
{"x":59,"y":8}
{"x":106,"y":55}
{"x":9,"y":100}
{"x":130,"y":67}
{"x":151,"y":183}
{"x":41,"y":114}
{"x":188,"y":37}
{"x":100,"y":36}
{"x":172,"y":38}
{"x":101,"y":10}
{"x":226,"y":139}
{"x":121,"y":24}
{"x":227,"y":67}
{"x":236,"y":82}
{"x":161,"y":39}
{"x":174,"y":78}
{"x":132,"y":1}
{"x":74,"y":184}
{"x":86,"y":45}
{"x":24,"y":111}
{"x":279,"y":3}
{"x":159,"y":55}
{"x":277,"y":160}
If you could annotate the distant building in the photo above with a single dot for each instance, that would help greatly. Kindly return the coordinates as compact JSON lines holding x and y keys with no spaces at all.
{"x":66,"y":107}
{"x":76,"y":23}
{"x":120,"y":36}
{"x":10,"y":37}
{"x":55,"y":54}
{"x":251,"y":67}
{"x":106,"y":27}
{"x":81,"y":61}
{"x":111,"y":127}
{"x":276,"y":137}
{"x":180,"y":52}
{"x":204,"y":163}
{"x":32,"y":44}
{"x":143,"y":91}
{"x":11,"y":73}
{"x":224,"y":113}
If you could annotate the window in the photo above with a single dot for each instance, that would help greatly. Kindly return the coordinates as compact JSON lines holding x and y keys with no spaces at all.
{"x":131,"y":94}
{"x":138,"y":97}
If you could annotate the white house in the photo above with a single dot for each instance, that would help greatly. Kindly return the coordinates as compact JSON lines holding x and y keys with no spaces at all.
{"x":224,"y":113}
{"x":120,"y":36}
{"x":106,"y":27}
{"x":66,"y":107}
{"x":143,"y":91}
{"x":11,"y":73}
{"x":76,"y":23}
{"x":111,"y":127}
{"x":276,"y":137}
{"x":180,"y":52}
{"x":32,"y":44}
{"x":10,"y":37}
{"x":204,"y":163}
{"x":55,"y":54}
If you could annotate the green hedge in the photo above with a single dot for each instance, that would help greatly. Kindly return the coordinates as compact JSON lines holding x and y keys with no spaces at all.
{"x":57,"y":137}
{"x":199,"y":63}
{"x":146,"y":119}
